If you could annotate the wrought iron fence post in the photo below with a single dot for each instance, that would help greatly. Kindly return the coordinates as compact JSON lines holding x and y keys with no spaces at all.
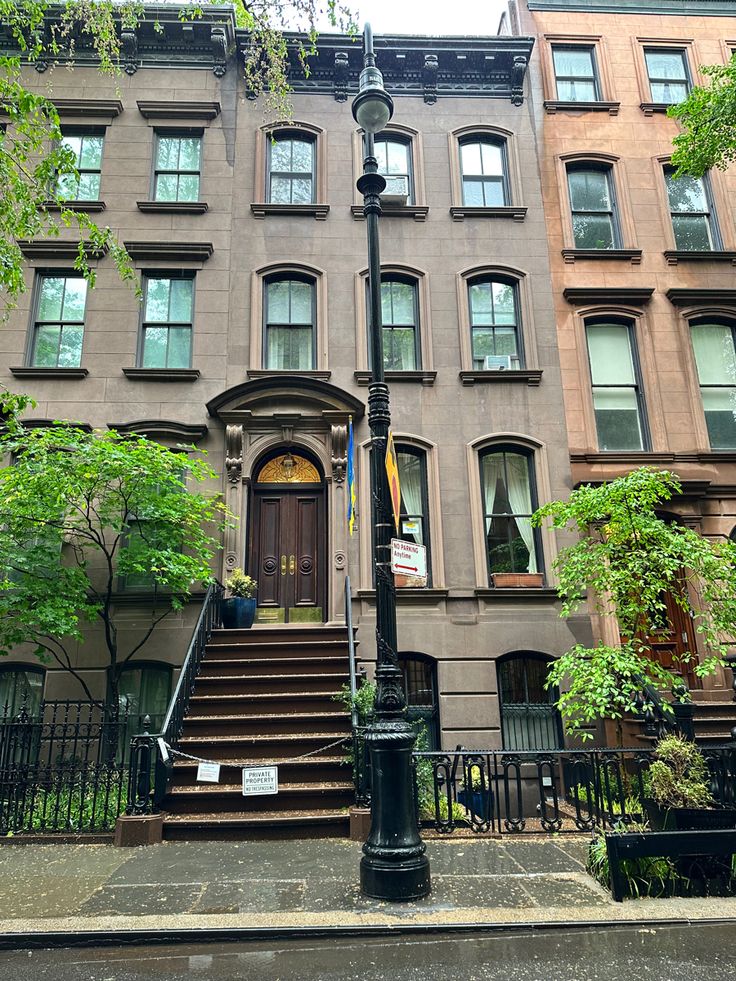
{"x":139,"y":774}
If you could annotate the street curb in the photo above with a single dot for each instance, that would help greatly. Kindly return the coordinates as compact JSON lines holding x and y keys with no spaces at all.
{"x":206,"y":935}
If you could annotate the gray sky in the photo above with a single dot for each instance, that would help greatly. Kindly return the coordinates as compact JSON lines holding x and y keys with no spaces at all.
{"x":430,"y":16}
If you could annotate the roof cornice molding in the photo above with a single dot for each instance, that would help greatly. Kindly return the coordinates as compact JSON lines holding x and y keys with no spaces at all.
{"x":683,"y":8}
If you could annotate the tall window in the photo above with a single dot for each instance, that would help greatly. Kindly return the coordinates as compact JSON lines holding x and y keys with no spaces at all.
{"x":394,"y":163}
{"x":691,"y":212}
{"x":176,"y":176}
{"x":529,"y":719}
{"x":715,"y":358}
{"x":167,"y":322}
{"x":58,"y":327}
{"x":400,"y":316}
{"x":669,"y":81}
{"x":291,"y":177}
{"x":21,"y":687}
{"x":484,"y":177}
{"x":508,"y":504}
{"x":422,"y":704}
{"x":594,"y":224}
{"x":575,"y":74}
{"x":143,"y":690}
{"x":87,"y":151}
{"x":289,"y":312}
{"x":414,"y":516}
{"x":617,"y":402}
{"x":494,"y":324}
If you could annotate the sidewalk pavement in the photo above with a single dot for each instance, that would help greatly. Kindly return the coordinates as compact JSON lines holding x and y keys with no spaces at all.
{"x":177,"y":887}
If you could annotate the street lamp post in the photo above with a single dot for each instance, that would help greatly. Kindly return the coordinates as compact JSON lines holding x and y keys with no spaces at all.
{"x":394,"y":865}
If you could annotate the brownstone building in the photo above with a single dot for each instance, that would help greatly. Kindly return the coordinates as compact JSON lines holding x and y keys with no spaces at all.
{"x":251,"y":342}
{"x":642,"y":264}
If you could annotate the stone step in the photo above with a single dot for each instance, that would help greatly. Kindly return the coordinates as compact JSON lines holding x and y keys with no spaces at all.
{"x":255,"y":725}
{"x":263,"y":667}
{"x":314,"y":769}
{"x":274,"y":704}
{"x":266,"y":825}
{"x":207,"y":798}
{"x":266,"y":747}
{"x":282,"y":633}
{"x":270,"y":649}
{"x":273,"y":684}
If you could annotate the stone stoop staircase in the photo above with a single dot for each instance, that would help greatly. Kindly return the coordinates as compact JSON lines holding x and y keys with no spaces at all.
{"x":265,"y":696}
{"x":714,"y":717}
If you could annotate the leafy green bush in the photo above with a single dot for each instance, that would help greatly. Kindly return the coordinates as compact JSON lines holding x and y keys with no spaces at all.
{"x":679,"y":775}
{"x":645,"y":876}
{"x":80,"y":806}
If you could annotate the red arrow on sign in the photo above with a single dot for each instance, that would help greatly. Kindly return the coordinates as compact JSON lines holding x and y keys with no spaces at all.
{"x":409,"y":568}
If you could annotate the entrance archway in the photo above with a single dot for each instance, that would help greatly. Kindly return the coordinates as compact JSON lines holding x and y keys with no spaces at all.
{"x":287,"y":544}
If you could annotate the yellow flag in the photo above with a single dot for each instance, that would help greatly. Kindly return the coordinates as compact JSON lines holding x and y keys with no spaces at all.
{"x":392,"y":472}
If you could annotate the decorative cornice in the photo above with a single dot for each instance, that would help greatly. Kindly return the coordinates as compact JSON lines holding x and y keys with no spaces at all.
{"x":507,"y":211}
{"x":635,"y":296}
{"x":319,"y":211}
{"x":161,"y":428}
{"x":181,"y":111}
{"x":172,"y":207}
{"x":300,"y":384}
{"x":57,"y":249}
{"x":88,"y":207}
{"x":162,"y":374}
{"x":555,"y":105}
{"x":170,"y":251}
{"x":673,"y":256}
{"x":418,"y":212}
{"x":692,"y":297}
{"x":104,"y":110}
{"x":530,"y":377}
{"x":417,"y":377}
{"x":685,"y":8}
{"x":50,"y":423}
{"x":36,"y":372}
{"x":603,"y":255}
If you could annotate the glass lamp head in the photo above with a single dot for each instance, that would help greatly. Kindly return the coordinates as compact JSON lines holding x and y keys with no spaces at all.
{"x":373,"y":107}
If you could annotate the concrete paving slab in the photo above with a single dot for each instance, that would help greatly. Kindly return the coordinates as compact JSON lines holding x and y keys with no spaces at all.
{"x":252,"y":897}
{"x":141,"y":900}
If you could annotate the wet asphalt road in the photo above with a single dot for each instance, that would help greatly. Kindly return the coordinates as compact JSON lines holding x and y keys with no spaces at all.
{"x":670,"y":953}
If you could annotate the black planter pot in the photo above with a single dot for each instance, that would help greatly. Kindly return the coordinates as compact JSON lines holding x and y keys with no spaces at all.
{"x":688,"y":818}
{"x":238,"y":613}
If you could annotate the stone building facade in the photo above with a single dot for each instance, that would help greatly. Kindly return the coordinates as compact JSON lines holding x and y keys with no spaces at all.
{"x":251,"y":341}
{"x":642,"y":264}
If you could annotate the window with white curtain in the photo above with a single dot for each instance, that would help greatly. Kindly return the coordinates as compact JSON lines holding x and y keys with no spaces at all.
{"x":617,"y":402}
{"x":289,"y":324}
{"x":414,"y":519}
{"x":509,"y":500}
{"x":669,"y":79}
{"x":575,"y":73}
{"x":715,"y":357}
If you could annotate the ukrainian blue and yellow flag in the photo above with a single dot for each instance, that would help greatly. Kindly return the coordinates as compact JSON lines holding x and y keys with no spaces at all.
{"x":351,"y":479}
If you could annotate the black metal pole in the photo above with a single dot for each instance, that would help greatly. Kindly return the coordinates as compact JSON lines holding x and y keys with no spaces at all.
{"x":394,"y":864}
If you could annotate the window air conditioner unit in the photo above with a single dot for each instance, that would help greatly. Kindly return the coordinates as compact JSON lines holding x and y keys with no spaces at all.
{"x":497,"y":362}
{"x":397,"y":190}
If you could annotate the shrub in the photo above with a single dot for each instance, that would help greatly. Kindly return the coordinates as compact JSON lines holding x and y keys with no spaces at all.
{"x":679,"y":775}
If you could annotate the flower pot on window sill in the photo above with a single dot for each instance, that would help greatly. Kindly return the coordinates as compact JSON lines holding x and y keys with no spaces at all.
{"x":518,"y":580}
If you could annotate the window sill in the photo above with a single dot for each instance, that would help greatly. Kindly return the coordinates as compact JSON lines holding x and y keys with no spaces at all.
{"x":687,"y":296}
{"x":318,"y":211}
{"x":543,"y":593}
{"x":37,"y":372}
{"x":673,"y":256}
{"x":553,"y":105}
{"x":649,"y":108}
{"x":415,"y":377}
{"x":89,"y":207}
{"x":521,"y":377}
{"x":162,"y":374}
{"x":58,"y":249}
{"x":635,"y":458}
{"x":170,"y":251}
{"x":509,"y":211}
{"x":415,"y":211}
{"x":272,"y":373}
{"x":172,"y":207}
{"x":631,"y":296}
{"x":184,"y":111}
{"x":633,"y":255}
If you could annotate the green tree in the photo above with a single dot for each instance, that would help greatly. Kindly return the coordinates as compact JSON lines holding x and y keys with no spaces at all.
{"x":34,"y":164}
{"x":80,"y":511}
{"x":626,"y":559}
{"x":708,"y":116}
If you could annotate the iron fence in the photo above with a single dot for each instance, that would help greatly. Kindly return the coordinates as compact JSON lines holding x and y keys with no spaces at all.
{"x":551,"y":791}
{"x":60,"y":769}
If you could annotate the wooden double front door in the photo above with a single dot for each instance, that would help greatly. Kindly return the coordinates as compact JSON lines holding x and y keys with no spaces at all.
{"x":287,"y":552}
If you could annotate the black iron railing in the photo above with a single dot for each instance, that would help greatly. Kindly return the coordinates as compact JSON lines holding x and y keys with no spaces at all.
{"x":150,"y":763}
{"x":550,"y":791}
{"x":60,"y":769}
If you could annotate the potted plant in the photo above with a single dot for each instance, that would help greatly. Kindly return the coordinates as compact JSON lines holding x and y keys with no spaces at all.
{"x":678,"y":796}
{"x":476,"y":794}
{"x":239,"y":609}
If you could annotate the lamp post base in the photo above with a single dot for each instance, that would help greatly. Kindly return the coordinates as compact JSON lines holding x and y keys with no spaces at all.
{"x":394,"y":865}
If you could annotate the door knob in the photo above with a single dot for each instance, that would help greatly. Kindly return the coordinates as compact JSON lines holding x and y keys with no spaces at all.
{"x":292,"y":564}
{"x":283,"y":565}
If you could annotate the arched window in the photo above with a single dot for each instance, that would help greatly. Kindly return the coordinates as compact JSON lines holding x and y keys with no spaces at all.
{"x":400,"y":317}
{"x":484,"y":172}
{"x":21,"y":687}
{"x":593,"y":206}
{"x":291,"y":168}
{"x":715,"y":357}
{"x":494,"y":324}
{"x":414,"y":517}
{"x":420,"y":685}
{"x":529,"y":718}
{"x":509,"y":500}
{"x":289,"y":316}
{"x":618,"y":402}
{"x":394,"y":157}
